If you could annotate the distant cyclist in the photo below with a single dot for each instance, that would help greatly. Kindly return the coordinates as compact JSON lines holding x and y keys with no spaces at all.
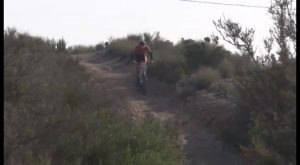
{"x":139,"y":55}
{"x":106,"y":46}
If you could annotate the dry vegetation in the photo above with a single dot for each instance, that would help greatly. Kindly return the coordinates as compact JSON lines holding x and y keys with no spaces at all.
{"x":52,"y":115}
{"x":263,"y":87}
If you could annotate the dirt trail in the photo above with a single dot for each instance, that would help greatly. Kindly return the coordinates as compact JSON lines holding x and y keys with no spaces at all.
{"x":200,"y":147}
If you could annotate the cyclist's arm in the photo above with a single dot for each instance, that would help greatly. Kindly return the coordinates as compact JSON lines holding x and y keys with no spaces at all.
{"x":150,"y":52}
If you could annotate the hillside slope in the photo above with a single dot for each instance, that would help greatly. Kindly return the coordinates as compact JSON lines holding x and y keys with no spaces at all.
{"x":200,"y":145}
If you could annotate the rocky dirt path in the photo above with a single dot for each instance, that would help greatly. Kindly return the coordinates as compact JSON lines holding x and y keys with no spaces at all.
{"x":200,"y":147}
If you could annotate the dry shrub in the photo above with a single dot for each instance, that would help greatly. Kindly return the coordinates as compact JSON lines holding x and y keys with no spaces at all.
{"x":204,"y":78}
{"x":121,"y":48}
{"x":226,"y":68}
{"x":53,"y":115}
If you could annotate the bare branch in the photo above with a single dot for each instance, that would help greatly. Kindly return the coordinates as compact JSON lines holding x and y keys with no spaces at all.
{"x":232,"y":33}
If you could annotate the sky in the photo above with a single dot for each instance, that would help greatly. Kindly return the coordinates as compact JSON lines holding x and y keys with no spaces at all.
{"x":89,"y":22}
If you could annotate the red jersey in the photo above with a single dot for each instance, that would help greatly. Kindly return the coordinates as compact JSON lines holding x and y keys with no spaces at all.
{"x":140,"y":53}
{"x":141,"y":49}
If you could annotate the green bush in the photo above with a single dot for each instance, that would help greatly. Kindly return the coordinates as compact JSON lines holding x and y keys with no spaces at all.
{"x":169,"y":64}
{"x":200,"y":54}
{"x":168,"y":67}
{"x":121,"y":48}
{"x":204,"y":78}
{"x":113,"y":141}
{"x":224,"y":87}
{"x":226,"y":68}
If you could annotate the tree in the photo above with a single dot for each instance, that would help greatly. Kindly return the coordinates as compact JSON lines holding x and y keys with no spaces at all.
{"x":268,"y":90}
{"x":284,"y":30}
{"x":233,"y":33}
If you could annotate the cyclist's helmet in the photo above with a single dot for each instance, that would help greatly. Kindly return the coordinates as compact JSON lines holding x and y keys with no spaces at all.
{"x":142,"y":43}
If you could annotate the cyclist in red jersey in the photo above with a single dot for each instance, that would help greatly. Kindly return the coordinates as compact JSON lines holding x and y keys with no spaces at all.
{"x":140,"y":54}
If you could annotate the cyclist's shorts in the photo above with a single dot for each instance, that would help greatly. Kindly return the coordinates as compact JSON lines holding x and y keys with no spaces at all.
{"x":140,"y":58}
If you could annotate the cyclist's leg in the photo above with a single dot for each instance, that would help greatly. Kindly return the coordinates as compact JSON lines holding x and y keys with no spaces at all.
{"x":145,"y":71}
{"x":137,"y":73}
{"x":144,"y":79}
{"x":146,"y":62}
